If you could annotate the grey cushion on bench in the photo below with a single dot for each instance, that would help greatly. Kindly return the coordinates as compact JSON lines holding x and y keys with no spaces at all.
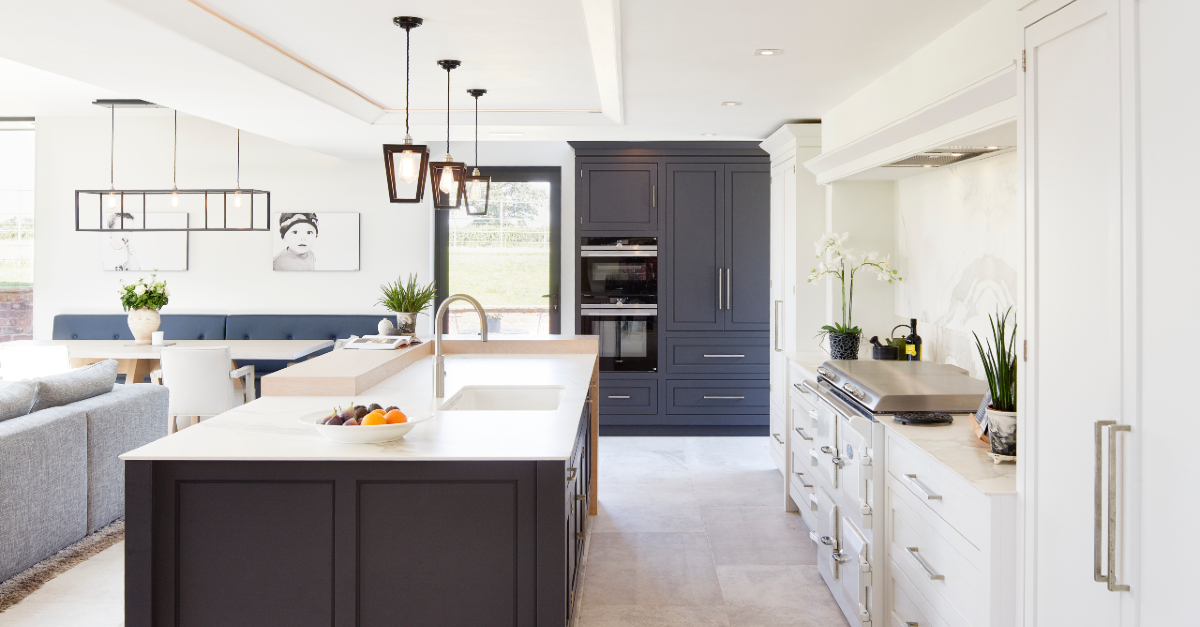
{"x":16,"y":398}
{"x":57,"y":390}
{"x":129,"y":417}
{"x":43,"y":486}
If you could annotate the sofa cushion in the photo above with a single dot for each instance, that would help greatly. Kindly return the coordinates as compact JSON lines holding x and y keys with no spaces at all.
{"x":128,"y":418}
{"x":69,"y":387}
{"x":116,"y":327}
{"x":43,"y":486}
{"x":16,"y":398}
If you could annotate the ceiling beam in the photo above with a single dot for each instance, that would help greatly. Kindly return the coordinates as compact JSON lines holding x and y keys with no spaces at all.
{"x":603,"y":20}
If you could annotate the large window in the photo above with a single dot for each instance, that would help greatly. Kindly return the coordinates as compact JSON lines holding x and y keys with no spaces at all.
{"x":508,"y":259}
{"x":16,"y":208}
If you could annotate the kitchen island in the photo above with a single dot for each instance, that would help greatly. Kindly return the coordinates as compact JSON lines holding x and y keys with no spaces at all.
{"x":473,"y":518}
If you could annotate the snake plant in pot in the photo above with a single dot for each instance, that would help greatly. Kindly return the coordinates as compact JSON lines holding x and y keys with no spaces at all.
{"x":407,"y":299}
{"x":1000,"y":364}
{"x":844,"y":264}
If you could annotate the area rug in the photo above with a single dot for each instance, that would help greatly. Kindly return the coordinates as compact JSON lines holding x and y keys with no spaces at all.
{"x":24,"y":584}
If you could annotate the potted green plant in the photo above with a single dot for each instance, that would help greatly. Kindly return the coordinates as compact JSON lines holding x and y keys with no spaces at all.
{"x":143,"y":300}
{"x":1000,"y":366}
{"x":844,"y":264}
{"x":406,"y":299}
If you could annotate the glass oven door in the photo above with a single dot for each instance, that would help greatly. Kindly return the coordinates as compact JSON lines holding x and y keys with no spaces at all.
{"x":628,"y":339}
{"x":612,"y":278}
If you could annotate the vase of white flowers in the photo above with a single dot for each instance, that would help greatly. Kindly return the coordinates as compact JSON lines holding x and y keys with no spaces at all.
{"x":143,"y":300}
{"x":844,"y":264}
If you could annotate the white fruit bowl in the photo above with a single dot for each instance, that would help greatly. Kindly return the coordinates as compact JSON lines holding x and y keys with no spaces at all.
{"x":361,"y":434}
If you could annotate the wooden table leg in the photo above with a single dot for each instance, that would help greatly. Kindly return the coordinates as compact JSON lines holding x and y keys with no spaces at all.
{"x":136,"y":369}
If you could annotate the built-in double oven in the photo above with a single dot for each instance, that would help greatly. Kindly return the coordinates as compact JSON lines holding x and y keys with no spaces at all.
{"x":618,"y":300}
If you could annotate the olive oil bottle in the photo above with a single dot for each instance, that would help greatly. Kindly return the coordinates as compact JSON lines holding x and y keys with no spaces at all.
{"x":913,"y":345}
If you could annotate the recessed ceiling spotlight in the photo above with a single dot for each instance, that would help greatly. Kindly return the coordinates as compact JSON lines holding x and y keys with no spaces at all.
{"x":768,"y":52}
{"x":507,"y":134}
{"x":730,"y":103}
{"x":993,"y":148}
{"x":956,"y":154}
{"x":708,"y":134}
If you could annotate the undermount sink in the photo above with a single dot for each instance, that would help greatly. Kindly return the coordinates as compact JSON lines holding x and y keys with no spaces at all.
{"x":506,"y":398}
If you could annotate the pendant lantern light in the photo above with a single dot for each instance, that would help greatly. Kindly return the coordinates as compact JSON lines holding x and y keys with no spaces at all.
{"x":447,"y":176}
{"x":478,"y":186}
{"x":406,"y":163}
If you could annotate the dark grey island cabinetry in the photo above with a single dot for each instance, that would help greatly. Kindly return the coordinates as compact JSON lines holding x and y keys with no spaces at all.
{"x":356,"y":543}
{"x":707,"y":206}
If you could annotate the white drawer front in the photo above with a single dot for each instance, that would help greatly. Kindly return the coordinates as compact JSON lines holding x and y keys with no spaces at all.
{"x":778,"y":430}
{"x":909,"y":609}
{"x":806,"y":501}
{"x":939,"y":490}
{"x":826,"y":445}
{"x":780,"y":460}
{"x":941,"y":567}
{"x":827,"y":538}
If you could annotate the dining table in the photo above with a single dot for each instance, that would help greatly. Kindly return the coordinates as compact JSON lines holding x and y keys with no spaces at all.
{"x":136,"y":361}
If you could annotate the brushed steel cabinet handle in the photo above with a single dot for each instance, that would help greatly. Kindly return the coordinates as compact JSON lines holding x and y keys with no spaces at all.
{"x":912,"y":552}
{"x":720,"y":291}
{"x":654,"y":197}
{"x":777,"y":438}
{"x":729,"y":289}
{"x":920,"y":487}
{"x":801,"y":475}
{"x":777,"y":319}
{"x":730,"y":356}
{"x":571,"y":474}
{"x":614,"y":396}
{"x":729,"y":398}
{"x":1113,"y":507}
{"x":1098,"y":568}
{"x":802,"y":435}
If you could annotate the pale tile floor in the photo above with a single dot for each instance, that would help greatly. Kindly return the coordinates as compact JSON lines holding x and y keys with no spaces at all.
{"x":691,"y":532}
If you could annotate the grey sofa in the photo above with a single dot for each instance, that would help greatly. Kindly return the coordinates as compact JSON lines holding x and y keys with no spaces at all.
{"x":60,"y":475}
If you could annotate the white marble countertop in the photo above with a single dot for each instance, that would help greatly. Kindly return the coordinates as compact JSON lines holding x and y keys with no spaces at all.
{"x":954,"y":446}
{"x":268,"y":428}
{"x":284,"y":350}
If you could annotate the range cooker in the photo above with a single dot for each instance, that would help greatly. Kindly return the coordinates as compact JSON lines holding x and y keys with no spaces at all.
{"x":843,"y":433}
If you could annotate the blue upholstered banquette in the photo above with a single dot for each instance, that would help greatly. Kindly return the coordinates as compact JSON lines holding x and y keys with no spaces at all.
{"x":115,"y":327}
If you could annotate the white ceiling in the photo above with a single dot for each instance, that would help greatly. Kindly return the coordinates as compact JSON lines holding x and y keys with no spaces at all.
{"x":325,"y":78}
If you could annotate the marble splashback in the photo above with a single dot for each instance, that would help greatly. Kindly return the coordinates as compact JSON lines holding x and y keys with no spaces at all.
{"x":959,"y":248}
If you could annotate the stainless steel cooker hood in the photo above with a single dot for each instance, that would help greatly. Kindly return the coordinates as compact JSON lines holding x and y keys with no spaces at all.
{"x":887,"y":387}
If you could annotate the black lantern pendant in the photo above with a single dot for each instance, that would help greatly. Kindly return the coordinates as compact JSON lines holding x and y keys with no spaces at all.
{"x":478,"y":186}
{"x":447,"y":176}
{"x":406,"y":163}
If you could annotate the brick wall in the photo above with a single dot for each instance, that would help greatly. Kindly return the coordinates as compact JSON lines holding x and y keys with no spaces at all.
{"x":16,"y":313}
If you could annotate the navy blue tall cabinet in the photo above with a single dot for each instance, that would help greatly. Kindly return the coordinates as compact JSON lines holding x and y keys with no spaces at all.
{"x":708,"y":203}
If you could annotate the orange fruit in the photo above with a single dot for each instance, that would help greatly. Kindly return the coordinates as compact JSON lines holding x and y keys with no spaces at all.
{"x":395,"y":416}
{"x":373,"y":418}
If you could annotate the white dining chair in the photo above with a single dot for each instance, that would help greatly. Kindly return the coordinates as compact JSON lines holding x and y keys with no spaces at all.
{"x":26,"y":362}
{"x":200,"y":382}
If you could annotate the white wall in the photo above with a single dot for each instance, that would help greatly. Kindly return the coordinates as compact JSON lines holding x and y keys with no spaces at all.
{"x":982,"y":44}
{"x":959,"y":244}
{"x":866,"y":210}
{"x":231,"y":272}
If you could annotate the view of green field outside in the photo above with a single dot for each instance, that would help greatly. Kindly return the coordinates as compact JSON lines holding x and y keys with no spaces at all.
{"x":503,"y":259}
{"x":16,"y":208}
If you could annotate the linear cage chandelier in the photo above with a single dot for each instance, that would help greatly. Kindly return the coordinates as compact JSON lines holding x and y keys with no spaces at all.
{"x":169,"y":210}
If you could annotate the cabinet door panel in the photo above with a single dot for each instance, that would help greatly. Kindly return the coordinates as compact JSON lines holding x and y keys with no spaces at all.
{"x":619,"y":196}
{"x":695,"y":196}
{"x":747,"y":248}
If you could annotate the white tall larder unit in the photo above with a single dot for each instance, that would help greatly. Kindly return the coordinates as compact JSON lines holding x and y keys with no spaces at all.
{"x":797,"y":220}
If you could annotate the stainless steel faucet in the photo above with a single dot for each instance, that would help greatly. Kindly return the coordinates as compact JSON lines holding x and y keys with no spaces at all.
{"x":439,"y":360}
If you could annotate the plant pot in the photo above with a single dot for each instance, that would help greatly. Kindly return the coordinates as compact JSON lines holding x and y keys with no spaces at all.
{"x":844,"y":345}
{"x":1002,"y":433}
{"x":406,"y":323}
{"x":143,"y":323}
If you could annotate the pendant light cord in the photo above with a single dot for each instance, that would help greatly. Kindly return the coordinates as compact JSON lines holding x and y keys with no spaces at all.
{"x":476,"y":132}
{"x":407,"y":72}
{"x":112,"y":150}
{"x":175,"y":154}
{"x":239,"y":158}
{"x":447,"y":110}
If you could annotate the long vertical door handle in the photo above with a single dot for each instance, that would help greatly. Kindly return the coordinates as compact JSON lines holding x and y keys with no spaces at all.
{"x":719,"y":291}
{"x":777,"y":316}
{"x":729,"y":288}
{"x":1097,"y":562}
{"x":1112,"y":508}
{"x":654,"y":197}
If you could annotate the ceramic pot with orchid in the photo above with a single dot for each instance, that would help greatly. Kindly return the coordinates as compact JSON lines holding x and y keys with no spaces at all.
{"x":846,"y":264}
{"x":142,"y":300}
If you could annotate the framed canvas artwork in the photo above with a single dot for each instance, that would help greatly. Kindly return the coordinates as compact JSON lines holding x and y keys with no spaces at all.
{"x":124,"y":251}
{"x":322,"y":242}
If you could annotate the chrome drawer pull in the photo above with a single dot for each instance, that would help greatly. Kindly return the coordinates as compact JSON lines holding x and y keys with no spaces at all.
{"x":777,"y":438}
{"x":571,"y":476}
{"x":612,"y":396}
{"x":803,"y":436}
{"x":803,"y":390}
{"x":800,"y":474}
{"x":912,"y":552}
{"x":929,"y":496}
{"x":714,"y":356}
{"x":719,"y":398}
{"x":828,"y":541}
